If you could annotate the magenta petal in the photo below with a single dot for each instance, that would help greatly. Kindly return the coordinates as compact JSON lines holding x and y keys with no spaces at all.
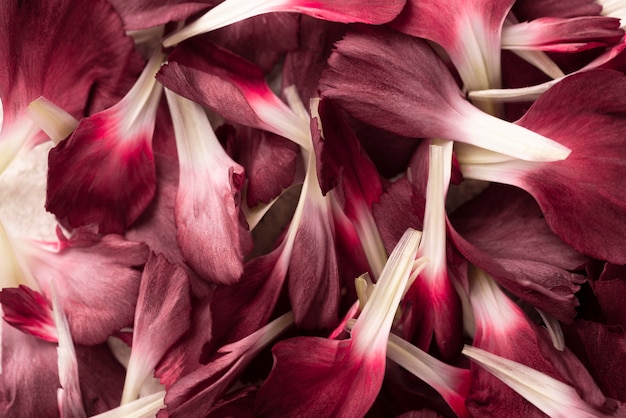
{"x":324,"y":377}
{"x":162,"y":316}
{"x":28,"y":311}
{"x":96,"y":280}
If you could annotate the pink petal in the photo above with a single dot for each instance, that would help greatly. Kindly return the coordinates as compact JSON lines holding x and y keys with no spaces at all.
{"x":563,"y":35}
{"x":96,"y":280}
{"x":533,"y":9}
{"x":28,"y":311}
{"x":374,"y":12}
{"x":324,"y":377}
{"x":211,"y":232}
{"x":162,"y":316}
{"x":430,"y":106}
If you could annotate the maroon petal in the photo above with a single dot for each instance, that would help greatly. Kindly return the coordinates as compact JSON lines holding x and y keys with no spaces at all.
{"x":603,"y":350}
{"x":324,"y":377}
{"x":563,"y":35}
{"x":314,"y":281}
{"x":521,"y":252}
{"x":38,"y":43}
{"x":581,"y":197}
{"x":232,"y":87}
{"x":375,"y":12}
{"x":201,"y":389}
{"x":162,"y":316}
{"x":430,"y":106}
{"x":262,"y":40}
{"x":150,"y":13}
{"x":211,"y":232}
{"x":469,"y":31}
{"x":110,"y":153}
{"x":96,"y":280}
{"x":269,"y":162}
{"x":533,"y":9}
{"x":28,"y":311}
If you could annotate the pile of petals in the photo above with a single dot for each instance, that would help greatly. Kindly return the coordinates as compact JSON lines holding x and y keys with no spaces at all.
{"x":341,"y":208}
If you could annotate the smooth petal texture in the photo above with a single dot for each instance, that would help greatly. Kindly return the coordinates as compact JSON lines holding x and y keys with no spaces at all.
{"x":504,"y":233}
{"x":162,"y":316}
{"x":211,"y":231}
{"x":563,"y":35}
{"x":28,"y":311}
{"x":581,"y":196}
{"x":469,"y":31}
{"x":232,"y":87}
{"x":96,"y":280}
{"x":374,"y":12}
{"x":104,"y":172}
{"x":533,"y":9}
{"x":432,"y":107}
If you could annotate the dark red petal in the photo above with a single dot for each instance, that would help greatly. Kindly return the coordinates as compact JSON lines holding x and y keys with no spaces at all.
{"x":533,"y":9}
{"x":93,"y":179}
{"x":324,"y":377}
{"x":262,"y":40}
{"x":603,"y":350}
{"x":314,"y":281}
{"x":469,"y":31}
{"x":582,"y":196}
{"x":28,"y":311}
{"x":563,"y":35}
{"x":408,"y":90}
{"x":150,"y":13}
{"x":41,"y":58}
{"x":269,"y":161}
{"x":506,"y":226}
